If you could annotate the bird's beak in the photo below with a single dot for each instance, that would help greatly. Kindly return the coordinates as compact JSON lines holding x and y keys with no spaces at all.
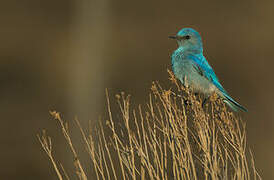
{"x":172,"y":37}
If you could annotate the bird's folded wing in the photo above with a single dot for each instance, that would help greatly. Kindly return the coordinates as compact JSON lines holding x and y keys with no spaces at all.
{"x":204,"y":69}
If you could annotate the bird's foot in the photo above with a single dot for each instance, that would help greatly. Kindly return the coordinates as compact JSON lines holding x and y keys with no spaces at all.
{"x":187,"y":102}
{"x":204,"y":102}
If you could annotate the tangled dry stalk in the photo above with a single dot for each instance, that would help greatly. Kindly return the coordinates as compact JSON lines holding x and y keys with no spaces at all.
{"x":171,"y":137}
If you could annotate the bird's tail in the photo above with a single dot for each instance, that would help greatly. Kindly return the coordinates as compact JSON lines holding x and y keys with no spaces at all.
{"x":233,"y":104}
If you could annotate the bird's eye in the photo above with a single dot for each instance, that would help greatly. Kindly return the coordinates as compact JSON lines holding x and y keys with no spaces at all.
{"x":187,"y":37}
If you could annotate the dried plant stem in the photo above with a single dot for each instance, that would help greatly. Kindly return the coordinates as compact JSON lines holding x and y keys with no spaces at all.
{"x":46,"y":144}
{"x":171,"y":137}
{"x":79,"y":170}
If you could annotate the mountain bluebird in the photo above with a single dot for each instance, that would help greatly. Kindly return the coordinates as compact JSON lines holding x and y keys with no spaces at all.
{"x":191,"y":67}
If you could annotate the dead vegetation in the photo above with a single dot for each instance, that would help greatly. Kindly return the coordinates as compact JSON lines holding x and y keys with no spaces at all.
{"x":170,"y":137}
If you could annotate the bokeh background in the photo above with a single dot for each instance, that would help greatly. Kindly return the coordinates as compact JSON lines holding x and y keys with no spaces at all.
{"x":61,"y":55}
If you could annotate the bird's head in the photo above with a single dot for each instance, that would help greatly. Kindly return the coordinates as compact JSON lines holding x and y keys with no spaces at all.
{"x":189,"y":40}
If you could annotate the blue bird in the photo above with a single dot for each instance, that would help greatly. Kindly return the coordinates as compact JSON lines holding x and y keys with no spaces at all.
{"x":191,"y":67}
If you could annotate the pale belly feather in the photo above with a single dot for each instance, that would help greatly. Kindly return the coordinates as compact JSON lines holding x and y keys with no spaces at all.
{"x":189,"y":76}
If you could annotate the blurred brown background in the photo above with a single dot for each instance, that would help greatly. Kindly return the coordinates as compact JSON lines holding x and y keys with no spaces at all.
{"x":63,"y":54}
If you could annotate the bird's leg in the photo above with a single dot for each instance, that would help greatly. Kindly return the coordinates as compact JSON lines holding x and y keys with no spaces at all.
{"x":186,"y":102}
{"x":205,"y":101}
{"x":201,"y":97}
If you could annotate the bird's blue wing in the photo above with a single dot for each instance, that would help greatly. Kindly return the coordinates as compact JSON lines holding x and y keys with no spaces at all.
{"x":201,"y":64}
{"x":203,"y":68}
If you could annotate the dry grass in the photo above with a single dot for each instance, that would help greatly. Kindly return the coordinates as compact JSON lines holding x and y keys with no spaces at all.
{"x":171,"y":137}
